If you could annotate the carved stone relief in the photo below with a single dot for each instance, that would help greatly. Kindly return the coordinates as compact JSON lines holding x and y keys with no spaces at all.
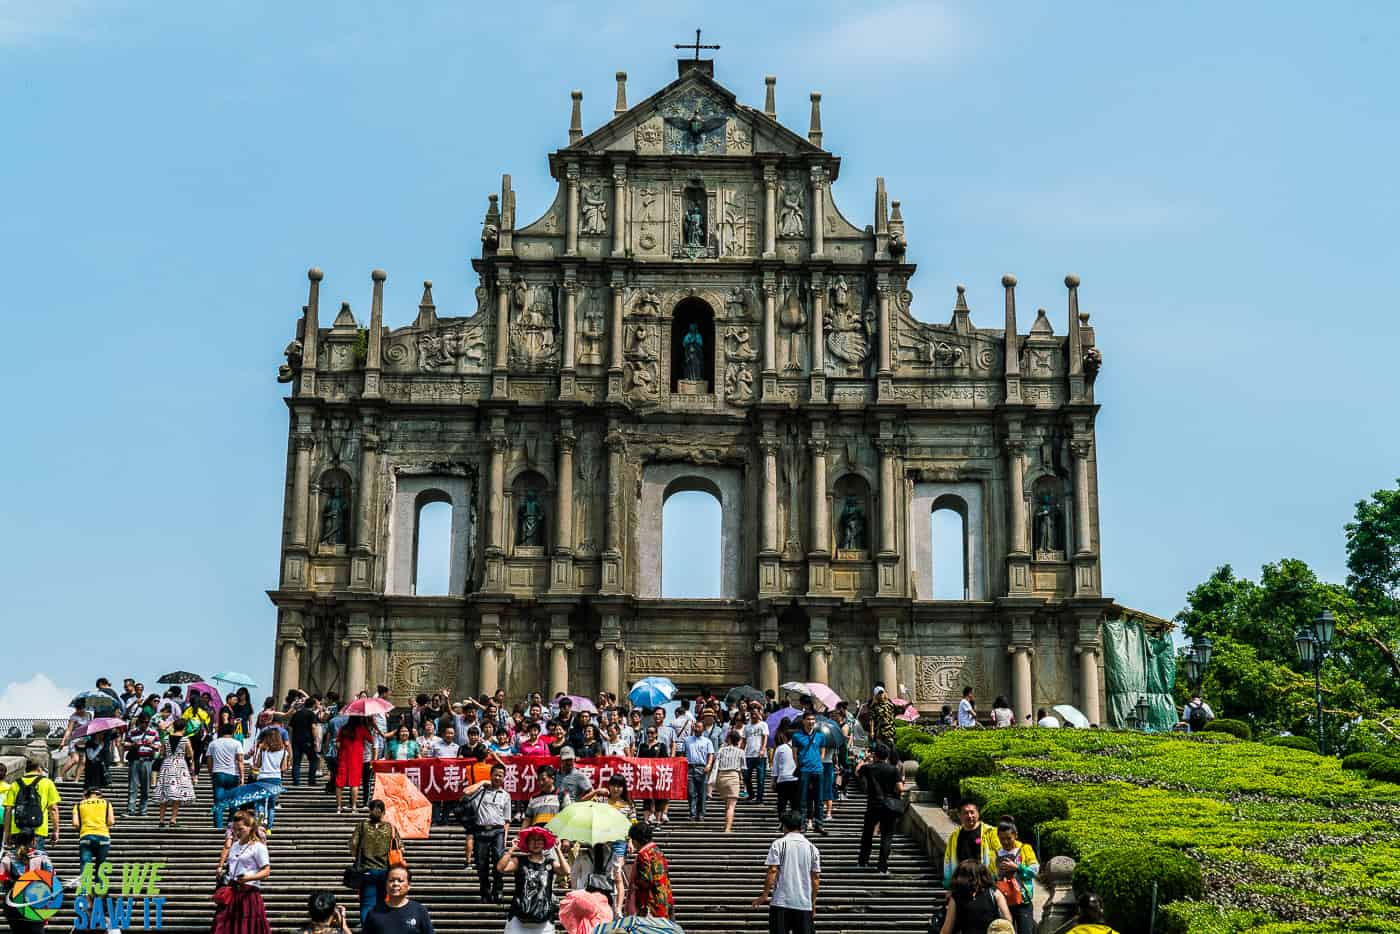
{"x":448,"y":348}
{"x":592,"y":326}
{"x":792,"y":208}
{"x":939,"y":679}
{"x":849,"y":330}
{"x":648,"y":136}
{"x":414,"y":673}
{"x":642,"y":352}
{"x":589,"y":461}
{"x":533,"y":327}
{"x":649,"y":218}
{"x":593,"y":210}
{"x":792,"y":320}
{"x":737,"y":224}
{"x":695,"y":124}
{"x":739,"y":355}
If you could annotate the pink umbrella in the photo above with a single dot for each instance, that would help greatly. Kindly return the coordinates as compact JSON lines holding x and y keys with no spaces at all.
{"x":583,"y":703}
{"x":823,"y":694}
{"x":368,"y":707}
{"x":216,"y":700}
{"x":98,"y":725}
{"x":909,"y":714}
{"x":581,"y":912}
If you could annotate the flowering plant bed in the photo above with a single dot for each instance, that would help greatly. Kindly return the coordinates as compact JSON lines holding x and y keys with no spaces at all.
{"x":1287,"y":841}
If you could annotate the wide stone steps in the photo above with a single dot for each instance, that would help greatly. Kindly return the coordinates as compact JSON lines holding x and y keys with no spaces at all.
{"x":714,"y":875}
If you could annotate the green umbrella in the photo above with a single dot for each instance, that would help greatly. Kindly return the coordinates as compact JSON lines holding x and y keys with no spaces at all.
{"x":590,"y":822}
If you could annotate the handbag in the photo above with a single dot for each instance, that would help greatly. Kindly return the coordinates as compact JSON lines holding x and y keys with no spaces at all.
{"x":223,"y":896}
{"x":894,"y":805}
{"x":353,"y":878}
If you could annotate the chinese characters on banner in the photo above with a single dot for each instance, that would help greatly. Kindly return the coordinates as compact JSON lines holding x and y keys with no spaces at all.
{"x":446,"y":779}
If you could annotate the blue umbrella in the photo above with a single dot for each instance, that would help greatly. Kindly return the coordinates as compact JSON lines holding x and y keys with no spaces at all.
{"x":96,"y":701}
{"x":636,"y":924}
{"x":649,"y":693}
{"x":664,"y":682}
{"x":236,"y":678}
{"x":834,"y":736}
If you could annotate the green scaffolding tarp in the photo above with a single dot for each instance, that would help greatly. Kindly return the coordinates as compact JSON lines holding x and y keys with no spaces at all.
{"x":1138,"y":664}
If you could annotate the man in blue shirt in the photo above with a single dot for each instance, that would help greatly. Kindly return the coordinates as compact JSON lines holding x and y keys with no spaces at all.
{"x":699,"y":754}
{"x":807,"y":747}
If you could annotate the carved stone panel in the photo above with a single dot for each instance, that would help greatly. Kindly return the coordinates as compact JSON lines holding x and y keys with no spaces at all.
{"x":648,"y":227}
{"x":413,"y":673}
{"x":642,"y":350}
{"x":939,"y":679}
{"x":708,"y":667}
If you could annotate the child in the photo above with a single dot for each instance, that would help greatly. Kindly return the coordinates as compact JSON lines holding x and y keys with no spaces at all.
{"x":1016,"y":871}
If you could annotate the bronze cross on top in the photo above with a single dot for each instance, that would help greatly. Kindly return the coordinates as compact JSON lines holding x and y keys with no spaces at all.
{"x":695,"y":45}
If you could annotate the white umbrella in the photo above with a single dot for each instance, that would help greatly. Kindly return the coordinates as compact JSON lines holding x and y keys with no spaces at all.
{"x":1072,"y":716}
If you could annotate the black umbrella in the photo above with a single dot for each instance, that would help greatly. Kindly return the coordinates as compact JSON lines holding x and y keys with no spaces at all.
{"x":744,"y":692}
{"x":179,"y":677}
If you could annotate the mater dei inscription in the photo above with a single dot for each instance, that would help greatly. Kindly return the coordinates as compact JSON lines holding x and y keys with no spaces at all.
{"x":693,"y":312}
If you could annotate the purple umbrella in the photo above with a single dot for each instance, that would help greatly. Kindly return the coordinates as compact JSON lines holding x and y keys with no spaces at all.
{"x":776,"y":718}
{"x":98,"y":725}
{"x":582,"y":703}
{"x":216,"y":700}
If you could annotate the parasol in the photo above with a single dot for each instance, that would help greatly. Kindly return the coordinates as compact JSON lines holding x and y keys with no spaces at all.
{"x":216,"y":700}
{"x":98,"y":725}
{"x":744,"y":692}
{"x":909,"y":714}
{"x":590,"y":822}
{"x":179,"y":677}
{"x":236,"y":678}
{"x":823,"y":694}
{"x":1072,"y":716}
{"x":368,"y":707}
{"x":834,"y":737}
{"x":638,"y":924}
{"x":774,"y":719}
{"x":96,"y":702}
{"x":582,"y":703}
{"x":650,"y":693}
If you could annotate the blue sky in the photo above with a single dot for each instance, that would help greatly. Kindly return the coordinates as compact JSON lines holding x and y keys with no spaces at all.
{"x":1220,"y":175}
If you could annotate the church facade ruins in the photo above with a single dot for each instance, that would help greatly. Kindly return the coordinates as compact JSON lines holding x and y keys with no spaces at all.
{"x":694,"y":312}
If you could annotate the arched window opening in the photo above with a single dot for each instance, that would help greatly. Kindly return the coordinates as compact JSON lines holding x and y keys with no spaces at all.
{"x":949,"y":546}
{"x":432,"y":547}
{"x":691,"y":544}
{"x":693,"y":348}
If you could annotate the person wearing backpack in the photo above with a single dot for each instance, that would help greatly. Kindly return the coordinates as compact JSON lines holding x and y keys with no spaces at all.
{"x":26,"y":857}
{"x":31,"y":806}
{"x":1197,"y":713}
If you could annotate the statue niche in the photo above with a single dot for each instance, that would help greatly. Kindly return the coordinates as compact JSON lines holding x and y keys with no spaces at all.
{"x":335,"y":509}
{"x":693,"y":348}
{"x":1048,"y":520}
{"x":528,"y":493}
{"x":694,"y":224}
{"x":851,"y":504}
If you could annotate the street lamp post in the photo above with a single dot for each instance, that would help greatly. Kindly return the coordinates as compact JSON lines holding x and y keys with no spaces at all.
{"x":1313,"y":645}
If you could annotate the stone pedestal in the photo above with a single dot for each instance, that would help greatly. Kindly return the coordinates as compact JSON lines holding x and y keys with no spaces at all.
{"x":692,"y":387}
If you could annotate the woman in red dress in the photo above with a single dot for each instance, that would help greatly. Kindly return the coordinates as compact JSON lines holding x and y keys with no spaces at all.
{"x":350,"y":761}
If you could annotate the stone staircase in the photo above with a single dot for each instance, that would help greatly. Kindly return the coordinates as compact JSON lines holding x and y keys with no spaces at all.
{"x":714,"y":876}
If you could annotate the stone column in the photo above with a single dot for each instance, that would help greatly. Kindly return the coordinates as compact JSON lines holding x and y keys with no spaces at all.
{"x":1021,"y":700}
{"x":570,"y":319}
{"x":609,"y":646}
{"x":495,"y":508}
{"x":818,"y":663}
{"x":883,"y":321}
{"x":770,"y":324}
{"x":768,"y":669}
{"x":559,"y":647}
{"x":1089,"y":681}
{"x":488,"y":646}
{"x":571,"y":219}
{"x":888,"y":667}
{"x":613,"y":514}
{"x":364,"y":513}
{"x":502,"y":318}
{"x":769,"y":543}
{"x":1016,"y":460}
{"x":564,"y":490}
{"x":1080,"y":450}
{"x":289,"y":635}
{"x":619,"y":218}
{"x":818,"y":354}
{"x":818,"y":177}
{"x":770,"y":211}
{"x":615,"y":338}
{"x":301,"y":486}
{"x":821,"y":518}
{"x":356,"y":644}
{"x":889,"y":490}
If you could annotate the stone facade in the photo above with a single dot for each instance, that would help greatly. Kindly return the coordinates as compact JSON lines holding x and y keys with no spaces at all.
{"x":693,"y":312}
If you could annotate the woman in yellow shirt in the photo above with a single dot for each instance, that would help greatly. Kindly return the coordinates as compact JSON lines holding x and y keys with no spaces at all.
{"x":93,"y":819}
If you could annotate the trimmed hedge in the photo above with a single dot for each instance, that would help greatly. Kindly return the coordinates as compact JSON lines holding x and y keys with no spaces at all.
{"x":1385,"y":770}
{"x":1361,"y":761}
{"x":942,"y":771}
{"x":1123,"y":877}
{"x":1236,"y":728}
{"x":1305,"y":743}
{"x":906,"y":738}
{"x":1029,"y":808}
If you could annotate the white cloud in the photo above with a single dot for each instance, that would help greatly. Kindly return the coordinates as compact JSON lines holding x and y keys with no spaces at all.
{"x":30,"y":22}
{"x":918,"y":33}
{"x":38,"y":696}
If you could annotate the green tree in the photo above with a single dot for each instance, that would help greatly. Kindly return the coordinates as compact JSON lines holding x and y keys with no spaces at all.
{"x":1373,"y":551}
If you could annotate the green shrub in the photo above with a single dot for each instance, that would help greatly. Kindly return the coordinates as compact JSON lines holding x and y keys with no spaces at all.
{"x":906,"y":738}
{"x":1385,"y":770}
{"x":941,"y":771}
{"x":1236,"y":728}
{"x":1305,"y":743}
{"x":1029,"y":807}
{"x":1123,"y":877}
{"x":1361,"y":761}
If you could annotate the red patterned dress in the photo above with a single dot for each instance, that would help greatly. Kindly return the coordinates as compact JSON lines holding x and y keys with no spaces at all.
{"x":651,"y":884}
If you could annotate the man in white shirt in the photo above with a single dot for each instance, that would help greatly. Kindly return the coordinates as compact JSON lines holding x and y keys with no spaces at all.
{"x":1044,"y":719}
{"x":699,"y":756}
{"x":794,"y":878}
{"x":225,"y":756}
{"x":967,"y":710}
{"x":682,"y":721}
{"x":755,"y":754}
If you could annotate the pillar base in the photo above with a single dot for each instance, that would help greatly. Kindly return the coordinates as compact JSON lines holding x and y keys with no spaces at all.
{"x":561,"y":574}
{"x":568,"y":384}
{"x":819,"y":573}
{"x":500,"y":385}
{"x":612,"y":573}
{"x":1018,"y":573}
{"x":887,"y":569}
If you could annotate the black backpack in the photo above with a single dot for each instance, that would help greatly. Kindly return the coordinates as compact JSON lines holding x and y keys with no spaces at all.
{"x":29,"y":809}
{"x":1197,"y":719}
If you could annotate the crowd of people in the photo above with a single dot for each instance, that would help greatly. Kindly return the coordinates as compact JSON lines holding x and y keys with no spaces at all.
{"x":808,"y":760}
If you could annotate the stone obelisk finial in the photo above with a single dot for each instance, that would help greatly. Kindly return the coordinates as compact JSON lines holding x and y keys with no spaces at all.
{"x":311,"y":332}
{"x":1076,"y":345}
{"x":1013,"y":342}
{"x":427,"y":311}
{"x":814,"y":129}
{"x":374,"y":350}
{"x":576,"y":117}
{"x":770,"y":104}
{"x":621,"y":106}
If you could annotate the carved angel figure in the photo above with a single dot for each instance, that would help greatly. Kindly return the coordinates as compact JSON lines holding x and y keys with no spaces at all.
{"x":693,"y":129}
{"x":792,"y":221}
{"x":847,"y":330}
{"x":593,"y":217}
{"x":736,"y":304}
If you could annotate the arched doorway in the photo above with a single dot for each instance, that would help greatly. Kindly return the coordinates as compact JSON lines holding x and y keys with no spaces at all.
{"x":693,"y":320}
{"x":691,"y":542}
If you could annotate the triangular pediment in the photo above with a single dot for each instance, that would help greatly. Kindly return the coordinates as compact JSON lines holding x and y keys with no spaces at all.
{"x":694,"y":115}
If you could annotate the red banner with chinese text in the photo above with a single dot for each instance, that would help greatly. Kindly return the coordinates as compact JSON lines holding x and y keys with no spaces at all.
{"x":446,"y":779}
